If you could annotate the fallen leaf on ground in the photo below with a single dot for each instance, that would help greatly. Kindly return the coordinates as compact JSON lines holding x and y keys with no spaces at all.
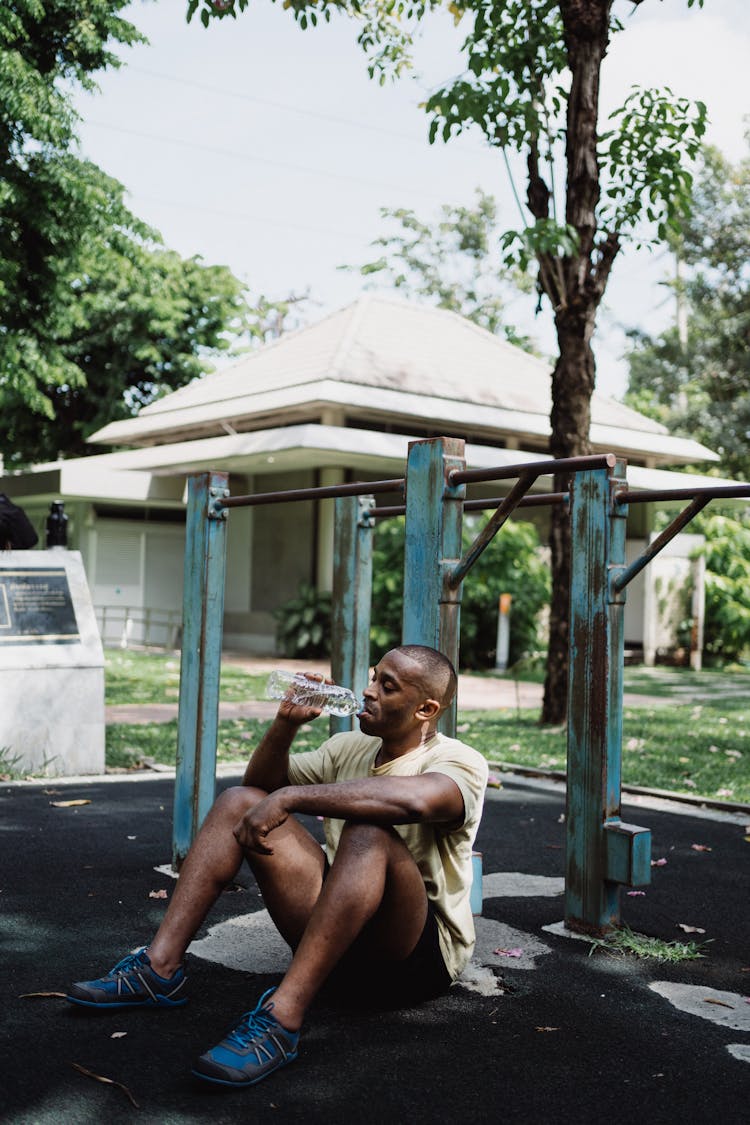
{"x":107,"y":1081}
{"x":690,"y":929}
{"x":157,"y":894}
{"x":658,"y":863}
{"x":636,"y":894}
{"x":719,"y":1003}
{"x":700,"y":847}
{"x":35,"y":995}
{"x":70,"y":804}
{"x":508,"y":952}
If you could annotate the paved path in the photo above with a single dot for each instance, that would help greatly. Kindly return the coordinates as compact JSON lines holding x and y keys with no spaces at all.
{"x":475,"y":693}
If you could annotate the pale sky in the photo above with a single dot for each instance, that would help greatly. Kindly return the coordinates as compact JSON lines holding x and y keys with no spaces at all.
{"x":268,"y":149}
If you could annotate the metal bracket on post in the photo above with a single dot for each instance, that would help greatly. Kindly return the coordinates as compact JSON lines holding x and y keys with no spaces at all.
{"x":434,"y":514}
{"x":602,"y":852}
{"x":202,"y":614}
{"x":352,"y":596}
{"x":215,"y":509}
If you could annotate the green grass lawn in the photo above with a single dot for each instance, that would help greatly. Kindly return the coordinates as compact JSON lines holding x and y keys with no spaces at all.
{"x":145,"y":677}
{"x":696,"y":740}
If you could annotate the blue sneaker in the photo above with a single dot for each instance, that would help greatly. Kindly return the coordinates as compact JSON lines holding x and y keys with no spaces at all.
{"x":257,"y":1046}
{"x":132,"y":983}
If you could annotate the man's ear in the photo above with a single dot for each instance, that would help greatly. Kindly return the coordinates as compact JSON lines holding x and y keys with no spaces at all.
{"x":429,"y":709}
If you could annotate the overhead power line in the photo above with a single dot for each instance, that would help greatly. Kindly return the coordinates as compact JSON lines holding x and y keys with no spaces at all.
{"x":234,"y":154}
{"x":287,"y":107}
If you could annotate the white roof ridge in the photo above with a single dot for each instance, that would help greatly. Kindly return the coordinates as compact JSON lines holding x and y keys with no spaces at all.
{"x":357,"y":311}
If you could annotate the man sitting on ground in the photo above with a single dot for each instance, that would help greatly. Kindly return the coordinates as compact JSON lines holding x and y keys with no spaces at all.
{"x":384,"y":913}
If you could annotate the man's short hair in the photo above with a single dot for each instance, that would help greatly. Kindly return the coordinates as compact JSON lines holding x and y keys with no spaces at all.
{"x":440,"y":679}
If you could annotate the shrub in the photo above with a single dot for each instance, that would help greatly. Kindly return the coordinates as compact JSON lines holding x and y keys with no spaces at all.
{"x":727,"y":553}
{"x":511,"y":564}
{"x":304,"y":623}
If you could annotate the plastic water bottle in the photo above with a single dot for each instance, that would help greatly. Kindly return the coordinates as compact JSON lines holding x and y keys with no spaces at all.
{"x":331,"y":699}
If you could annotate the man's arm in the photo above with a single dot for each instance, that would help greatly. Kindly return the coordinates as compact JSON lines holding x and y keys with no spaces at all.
{"x":269,"y":762}
{"x":428,"y":797}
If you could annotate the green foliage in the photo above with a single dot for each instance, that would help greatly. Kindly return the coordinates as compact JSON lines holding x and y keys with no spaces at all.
{"x":48,"y":196}
{"x":517,"y":90}
{"x":454,"y":263}
{"x":511,"y":564}
{"x":132,"y":320}
{"x":304,"y":623}
{"x":727,"y":554}
{"x":645,"y":161}
{"x":699,"y":386}
{"x":623,"y":941}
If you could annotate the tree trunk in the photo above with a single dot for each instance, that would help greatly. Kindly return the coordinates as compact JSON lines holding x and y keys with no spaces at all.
{"x":572,"y":385}
{"x":586,"y":26}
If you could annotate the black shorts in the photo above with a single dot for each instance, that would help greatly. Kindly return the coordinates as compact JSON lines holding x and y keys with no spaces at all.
{"x":360,"y":979}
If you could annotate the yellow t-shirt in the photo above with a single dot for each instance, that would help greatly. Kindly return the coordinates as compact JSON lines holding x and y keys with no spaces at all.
{"x":443,"y":856}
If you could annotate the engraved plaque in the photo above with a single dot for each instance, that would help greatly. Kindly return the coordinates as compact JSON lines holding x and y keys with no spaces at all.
{"x":36,"y":607}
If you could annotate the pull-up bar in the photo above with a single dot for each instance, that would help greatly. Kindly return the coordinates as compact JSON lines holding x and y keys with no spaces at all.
{"x":541,"y":500}
{"x":323,"y":492}
{"x":548,"y":467}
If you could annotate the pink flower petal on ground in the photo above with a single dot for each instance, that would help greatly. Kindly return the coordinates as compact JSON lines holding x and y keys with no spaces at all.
{"x":658,"y":863}
{"x":700,"y":847}
{"x":508,"y":952}
{"x":636,"y":894}
{"x":690,"y":929}
{"x":157,"y":894}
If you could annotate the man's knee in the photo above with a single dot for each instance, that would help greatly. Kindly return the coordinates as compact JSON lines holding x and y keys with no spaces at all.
{"x":236,"y":800}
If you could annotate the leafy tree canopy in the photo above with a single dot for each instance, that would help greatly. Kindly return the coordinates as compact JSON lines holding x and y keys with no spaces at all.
{"x":130,"y":321}
{"x":696,"y":379}
{"x":48,"y":197}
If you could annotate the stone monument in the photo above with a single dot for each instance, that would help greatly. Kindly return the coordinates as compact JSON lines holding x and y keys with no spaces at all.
{"x":51,"y":666}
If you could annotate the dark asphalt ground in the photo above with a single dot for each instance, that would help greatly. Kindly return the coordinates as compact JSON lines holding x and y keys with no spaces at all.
{"x":576,"y":1039}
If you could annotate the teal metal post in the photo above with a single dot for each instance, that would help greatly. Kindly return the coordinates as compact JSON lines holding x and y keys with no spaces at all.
{"x":352,"y":597}
{"x":202,"y":612}
{"x":434,"y":512}
{"x":602,"y":851}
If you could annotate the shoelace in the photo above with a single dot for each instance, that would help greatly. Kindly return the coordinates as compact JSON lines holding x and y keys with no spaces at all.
{"x":253,"y":1026}
{"x":128,"y":964}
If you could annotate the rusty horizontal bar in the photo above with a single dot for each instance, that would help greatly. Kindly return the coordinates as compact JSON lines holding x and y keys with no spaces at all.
{"x":324,"y":492}
{"x":541,"y":500}
{"x":550,"y":466}
{"x":716,"y":492}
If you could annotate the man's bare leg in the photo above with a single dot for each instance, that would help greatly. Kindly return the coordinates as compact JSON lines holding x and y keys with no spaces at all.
{"x":373,"y":880}
{"x":214,"y":860}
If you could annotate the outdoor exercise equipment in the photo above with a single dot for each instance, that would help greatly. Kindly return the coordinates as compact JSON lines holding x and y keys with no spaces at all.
{"x":602,"y":852}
